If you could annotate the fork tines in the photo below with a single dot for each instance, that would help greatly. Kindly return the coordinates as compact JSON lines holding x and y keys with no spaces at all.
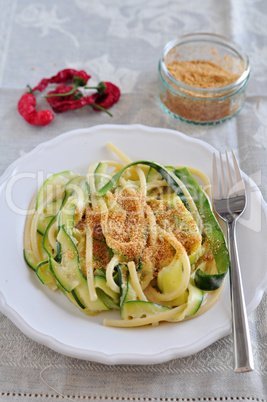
{"x":231,"y":183}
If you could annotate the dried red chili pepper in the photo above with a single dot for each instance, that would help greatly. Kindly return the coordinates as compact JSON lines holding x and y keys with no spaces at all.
{"x":108,"y":98}
{"x":65,"y":98}
{"x":64,"y":103}
{"x":62,"y":77}
{"x":26,"y":108}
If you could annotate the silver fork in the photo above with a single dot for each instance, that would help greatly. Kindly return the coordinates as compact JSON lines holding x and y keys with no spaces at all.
{"x":229,"y":197}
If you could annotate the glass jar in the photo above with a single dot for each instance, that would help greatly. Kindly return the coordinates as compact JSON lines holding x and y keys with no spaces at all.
{"x":197,"y":104}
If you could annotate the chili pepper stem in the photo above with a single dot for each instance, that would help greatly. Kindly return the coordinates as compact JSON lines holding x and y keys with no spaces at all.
{"x":101,"y":88}
{"x":101,"y":108}
{"x":64,"y":94}
{"x":29,"y":89}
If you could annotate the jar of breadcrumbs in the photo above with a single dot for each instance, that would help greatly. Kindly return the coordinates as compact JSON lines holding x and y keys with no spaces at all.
{"x":202,"y":78}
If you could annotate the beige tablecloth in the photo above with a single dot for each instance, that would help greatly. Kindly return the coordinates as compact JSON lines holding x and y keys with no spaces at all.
{"x":121,"y":42}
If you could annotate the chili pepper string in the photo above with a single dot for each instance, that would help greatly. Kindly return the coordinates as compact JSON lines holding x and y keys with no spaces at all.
{"x":65,"y":98}
{"x":26,"y":108}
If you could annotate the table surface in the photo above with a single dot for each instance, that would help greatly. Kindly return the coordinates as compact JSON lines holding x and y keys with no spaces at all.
{"x":121,"y":42}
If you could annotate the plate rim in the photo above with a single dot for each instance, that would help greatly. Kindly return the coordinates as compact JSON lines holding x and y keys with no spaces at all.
{"x":120,"y":358}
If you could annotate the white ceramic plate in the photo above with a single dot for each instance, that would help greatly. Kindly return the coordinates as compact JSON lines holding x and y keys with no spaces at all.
{"x":49,"y":318}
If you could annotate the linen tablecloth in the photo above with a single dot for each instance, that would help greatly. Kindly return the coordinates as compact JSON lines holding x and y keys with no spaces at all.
{"x":121,"y":42}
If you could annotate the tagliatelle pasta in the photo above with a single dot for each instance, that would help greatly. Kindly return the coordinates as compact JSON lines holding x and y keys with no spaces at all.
{"x":137,"y":236}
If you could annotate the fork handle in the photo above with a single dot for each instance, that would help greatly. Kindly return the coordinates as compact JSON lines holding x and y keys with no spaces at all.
{"x":243,"y":358}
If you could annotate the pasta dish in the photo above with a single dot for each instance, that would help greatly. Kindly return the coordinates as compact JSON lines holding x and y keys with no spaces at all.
{"x":137,"y":237}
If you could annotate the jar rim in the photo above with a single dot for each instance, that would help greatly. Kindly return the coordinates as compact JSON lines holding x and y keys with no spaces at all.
{"x":212,"y":39}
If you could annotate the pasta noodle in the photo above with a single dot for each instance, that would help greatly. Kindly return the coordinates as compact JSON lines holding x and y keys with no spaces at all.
{"x":134,"y":236}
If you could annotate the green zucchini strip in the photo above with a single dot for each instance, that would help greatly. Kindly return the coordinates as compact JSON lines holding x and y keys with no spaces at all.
{"x":212,"y":231}
{"x":174,"y":182}
{"x":167,"y":175}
